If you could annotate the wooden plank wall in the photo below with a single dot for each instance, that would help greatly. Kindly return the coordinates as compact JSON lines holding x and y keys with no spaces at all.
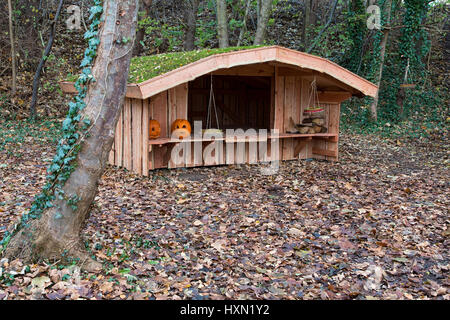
{"x":332,"y":111}
{"x":177,"y":109}
{"x":291,"y":98}
{"x":242,"y":102}
{"x":130,"y":148}
{"x":305,"y":91}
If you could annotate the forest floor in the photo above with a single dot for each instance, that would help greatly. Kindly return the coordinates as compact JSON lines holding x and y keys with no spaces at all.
{"x":374,"y":225}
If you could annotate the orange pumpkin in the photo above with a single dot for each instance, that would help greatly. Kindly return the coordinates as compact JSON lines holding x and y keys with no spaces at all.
{"x":181,"y":129}
{"x":154,"y":129}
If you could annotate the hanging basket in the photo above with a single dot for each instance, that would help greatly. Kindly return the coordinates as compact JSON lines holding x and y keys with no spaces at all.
{"x":316,"y":112}
{"x":213,"y":131}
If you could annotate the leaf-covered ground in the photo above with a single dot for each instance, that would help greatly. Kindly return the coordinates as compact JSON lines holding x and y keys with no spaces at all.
{"x":374,"y":225}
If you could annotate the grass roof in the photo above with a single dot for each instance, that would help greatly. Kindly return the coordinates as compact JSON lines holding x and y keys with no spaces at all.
{"x":147,"y":67}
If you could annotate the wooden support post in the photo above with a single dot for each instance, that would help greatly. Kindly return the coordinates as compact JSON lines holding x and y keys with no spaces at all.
{"x":118,"y":141}
{"x":127,"y":142}
{"x":136,"y":130}
{"x":145,"y":136}
{"x":300,"y":145}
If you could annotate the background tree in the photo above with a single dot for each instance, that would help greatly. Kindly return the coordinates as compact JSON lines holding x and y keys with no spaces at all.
{"x":191,"y":20}
{"x":44,"y":58}
{"x":263,"y":18}
{"x":357,"y":32}
{"x":144,"y":11}
{"x":413,"y":47}
{"x":222,"y":23}
{"x":386,"y":27}
{"x":244,"y":23}
{"x":307,"y":21}
{"x":325,"y":27}
{"x":13,"y":48}
{"x":81,"y":156}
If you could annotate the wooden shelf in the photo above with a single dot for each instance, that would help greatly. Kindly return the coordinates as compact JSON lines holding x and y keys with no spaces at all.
{"x":326,"y":136}
{"x":312,"y":135}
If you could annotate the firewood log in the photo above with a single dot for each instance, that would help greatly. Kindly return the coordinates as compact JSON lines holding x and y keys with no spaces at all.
{"x":292,"y":127}
{"x":319,"y":121}
{"x":317,"y":129}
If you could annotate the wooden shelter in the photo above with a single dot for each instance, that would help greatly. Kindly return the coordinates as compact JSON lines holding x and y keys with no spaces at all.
{"x":259,"y":88}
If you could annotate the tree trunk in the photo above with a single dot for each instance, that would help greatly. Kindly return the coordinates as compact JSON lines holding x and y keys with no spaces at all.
{"x":306,"y":22}
{"x":144,"y":6}
{"x":13,"y":49}
{"x":58,"y":229}
{"x":244,"y":23}
{"x":401,"y":92}
{"x":37,"y":75}
{"x":191,"y":17}
{"x":222,"y":23}
{"x":266,"y":8}
{"x":330,"y":19}
{"x":374,"y":104}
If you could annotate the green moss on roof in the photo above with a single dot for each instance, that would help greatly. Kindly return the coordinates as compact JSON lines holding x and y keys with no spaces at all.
{"x":148,"y":67}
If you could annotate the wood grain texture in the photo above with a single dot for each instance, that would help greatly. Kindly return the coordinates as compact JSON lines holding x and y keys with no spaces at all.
{"x":160,"y":113}
{"x":136,"y":130}
{"x":145,"y":136}
{"x":279,"y":108}
{"x":333,"y":127}
{"x":289,"y":116}
{"x":118,"y":141}
{"x":127,"y":141}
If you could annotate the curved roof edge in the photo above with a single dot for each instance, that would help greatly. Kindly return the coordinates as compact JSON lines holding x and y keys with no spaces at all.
{"x":213,"y":63}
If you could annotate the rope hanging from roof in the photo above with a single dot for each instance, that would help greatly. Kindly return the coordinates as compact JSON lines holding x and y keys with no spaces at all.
{"x":314,"y":120}
{"x":212,"y":103}
{"x":313,"y":109}
{"x":314,"y":96}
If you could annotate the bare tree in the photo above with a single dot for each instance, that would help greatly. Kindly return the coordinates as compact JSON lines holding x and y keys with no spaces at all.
{"x":330,"y":19}
{"x":47,"y":50}
{"x":244,"y":23}
{"x":306,"y":22}
{"x":13,"y":49}
{"x":145,"y":6}
{"x":386,"y":30}
{"x":222,"y":23}
{"x":263,"y":19}
{"x":58,"y":229}
{"x":191,"y":17}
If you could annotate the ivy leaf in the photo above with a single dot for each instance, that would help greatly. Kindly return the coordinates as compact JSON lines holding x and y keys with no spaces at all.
{"x":95,"y":10}
{"x":86,"y":61}
{"x":94,"y":42}
{"x":90,"y":34}
{"x":67,"y":123}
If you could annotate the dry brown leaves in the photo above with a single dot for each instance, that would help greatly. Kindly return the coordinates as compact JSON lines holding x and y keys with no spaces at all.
{"x":374,"y":225}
